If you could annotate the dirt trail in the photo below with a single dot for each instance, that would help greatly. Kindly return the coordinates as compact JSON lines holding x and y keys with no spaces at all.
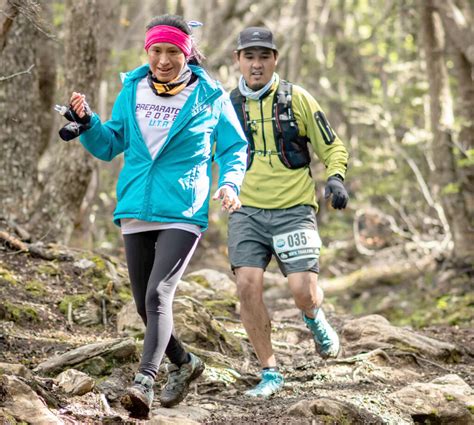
{"x":355,"y":388}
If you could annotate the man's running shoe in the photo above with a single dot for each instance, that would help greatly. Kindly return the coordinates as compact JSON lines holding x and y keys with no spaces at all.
{"x":272,"y":381}
{"x":325,"y":337}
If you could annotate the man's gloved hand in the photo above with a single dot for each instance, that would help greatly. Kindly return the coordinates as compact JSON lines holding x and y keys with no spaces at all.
{"x":335,"y":187}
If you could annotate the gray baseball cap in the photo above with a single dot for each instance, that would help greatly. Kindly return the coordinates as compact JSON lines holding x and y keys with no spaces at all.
{"x":256,"y":37}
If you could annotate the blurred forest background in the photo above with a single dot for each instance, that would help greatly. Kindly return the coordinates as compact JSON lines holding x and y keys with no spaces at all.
{"x":395,"y":79}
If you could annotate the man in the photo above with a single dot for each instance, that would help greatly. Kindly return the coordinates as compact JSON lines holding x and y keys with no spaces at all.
{"x":278,"y":216}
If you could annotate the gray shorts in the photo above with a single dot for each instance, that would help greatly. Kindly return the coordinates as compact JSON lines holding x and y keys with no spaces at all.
{"x":291,"y":235}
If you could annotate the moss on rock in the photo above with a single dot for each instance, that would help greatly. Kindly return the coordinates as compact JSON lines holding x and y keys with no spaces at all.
{"x":50,"y":269}
{"x":18,"y":312}
{"x":35,"y":288}
{"x":221,"y":307}
{"x":7,"y":276}
{"x":76,"y":300}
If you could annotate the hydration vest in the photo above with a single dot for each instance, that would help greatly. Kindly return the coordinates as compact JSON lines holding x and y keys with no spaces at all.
{"x":291,"y":147}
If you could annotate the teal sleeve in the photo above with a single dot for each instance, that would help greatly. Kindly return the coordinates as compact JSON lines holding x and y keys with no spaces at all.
{"x":230,"y":148}
{"x":106,"y":140}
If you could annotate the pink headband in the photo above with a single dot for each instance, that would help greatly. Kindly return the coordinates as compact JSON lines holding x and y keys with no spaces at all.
{"x":169,"y":34}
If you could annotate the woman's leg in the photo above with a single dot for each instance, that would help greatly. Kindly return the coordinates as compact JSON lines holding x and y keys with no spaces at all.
{"x":140,"y":255}
{"x":174,"y":249}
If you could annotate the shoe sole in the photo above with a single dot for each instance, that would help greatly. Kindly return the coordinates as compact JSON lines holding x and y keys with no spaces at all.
{"x":196,"y":374}
{"x":261,"y":396}
{"x":135,"y":405}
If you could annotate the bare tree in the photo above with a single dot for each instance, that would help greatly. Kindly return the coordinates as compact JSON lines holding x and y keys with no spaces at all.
{"x":20,"y":115}
{"x":70,"y":171}
{"x":444,"y":177}
{"x":458,"y":24}
{"x":47,"y":70}
{"x":298,"y":38}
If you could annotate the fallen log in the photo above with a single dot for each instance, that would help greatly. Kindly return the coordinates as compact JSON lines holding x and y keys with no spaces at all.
{"x":122,"y":349}
{"x":371,"y":276}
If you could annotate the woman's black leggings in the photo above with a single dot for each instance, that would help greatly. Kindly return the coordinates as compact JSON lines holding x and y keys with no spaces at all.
{"x":156,"y":261}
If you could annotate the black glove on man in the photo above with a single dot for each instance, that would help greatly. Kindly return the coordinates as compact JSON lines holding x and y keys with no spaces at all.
{"x":335,"y":187}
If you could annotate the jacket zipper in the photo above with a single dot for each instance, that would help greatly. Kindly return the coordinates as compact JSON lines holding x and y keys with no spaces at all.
{"x":194,"y":113}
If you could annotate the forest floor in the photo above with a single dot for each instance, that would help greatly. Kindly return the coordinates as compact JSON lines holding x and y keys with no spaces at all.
{"x":36,"y":325}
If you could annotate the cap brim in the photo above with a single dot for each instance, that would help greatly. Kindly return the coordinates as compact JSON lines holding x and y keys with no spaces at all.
{"x":257,"y":44}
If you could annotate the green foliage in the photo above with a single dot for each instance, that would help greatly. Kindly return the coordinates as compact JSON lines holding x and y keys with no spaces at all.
{"x":75,"y":300}
{"x":467,"y":161}
{"x":50,"y":269}
{"x":35,"y":288}
{"x":98,"y":275}
{"x":59,"y":13}
{"x":451,"y":189}
{"x":18,"y":312}
{"x":124,"y":294}
{"x":7,"y":276}
{"x":221,"y":307}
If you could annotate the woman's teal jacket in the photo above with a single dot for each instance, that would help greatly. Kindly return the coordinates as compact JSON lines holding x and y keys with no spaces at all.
{"x":175,"y":186}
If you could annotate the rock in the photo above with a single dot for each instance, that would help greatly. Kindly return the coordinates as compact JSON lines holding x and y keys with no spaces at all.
{"x":445,"y":400}
{"x":21,"y":402}
{"x":374,"y":331}
{"x":212,"y":279}
{"x":194,"y":289}
{"x":113,"y":385}
{"x":88,"y":314}
{"x":84,"y":264}
{"x":328,"y":410}
{"x":195,"y":325}
{"x":129,"y":322}
{"x":179,"y":415}
{"x":274,"y":279}
{"x":75,"y":382}
{"x":14,"y":369}
{"x":164,"y":420}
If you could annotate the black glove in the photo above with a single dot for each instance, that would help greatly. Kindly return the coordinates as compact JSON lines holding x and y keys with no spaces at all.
{"x":78,"y":125}
{"x":335,"y":187}
{"x":72,"y":116}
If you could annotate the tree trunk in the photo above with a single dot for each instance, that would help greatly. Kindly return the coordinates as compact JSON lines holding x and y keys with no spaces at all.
{"x":9,"y":10}
{"x":20,"y":117}
{"x":444,"y":178}
{"x":457,"y":26}
{"x":71,"y":168}
{"x":295,"y":61}
{"x":47,"y":81}
{"x":465,"y":71}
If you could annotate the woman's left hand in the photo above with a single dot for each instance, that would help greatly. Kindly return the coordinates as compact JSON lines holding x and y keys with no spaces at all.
{"x":230,"y":200}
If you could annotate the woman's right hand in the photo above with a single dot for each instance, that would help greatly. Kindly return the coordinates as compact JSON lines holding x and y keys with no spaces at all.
{"x":80,"y":107}
{"x":77,"y":102}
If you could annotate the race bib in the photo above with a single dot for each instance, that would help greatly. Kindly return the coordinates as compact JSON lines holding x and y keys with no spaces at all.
{"x":296,"y":245}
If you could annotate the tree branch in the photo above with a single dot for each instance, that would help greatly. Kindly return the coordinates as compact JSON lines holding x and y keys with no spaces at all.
{"x":17,"y":74}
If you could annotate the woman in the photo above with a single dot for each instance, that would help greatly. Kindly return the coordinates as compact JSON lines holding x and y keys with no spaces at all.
{"x":170,"y":119}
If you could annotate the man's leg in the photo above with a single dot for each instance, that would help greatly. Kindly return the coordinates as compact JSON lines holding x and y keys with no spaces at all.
{"x":308,"y":298}
{"x":307,"y":294}
{"x":254,"y":314}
